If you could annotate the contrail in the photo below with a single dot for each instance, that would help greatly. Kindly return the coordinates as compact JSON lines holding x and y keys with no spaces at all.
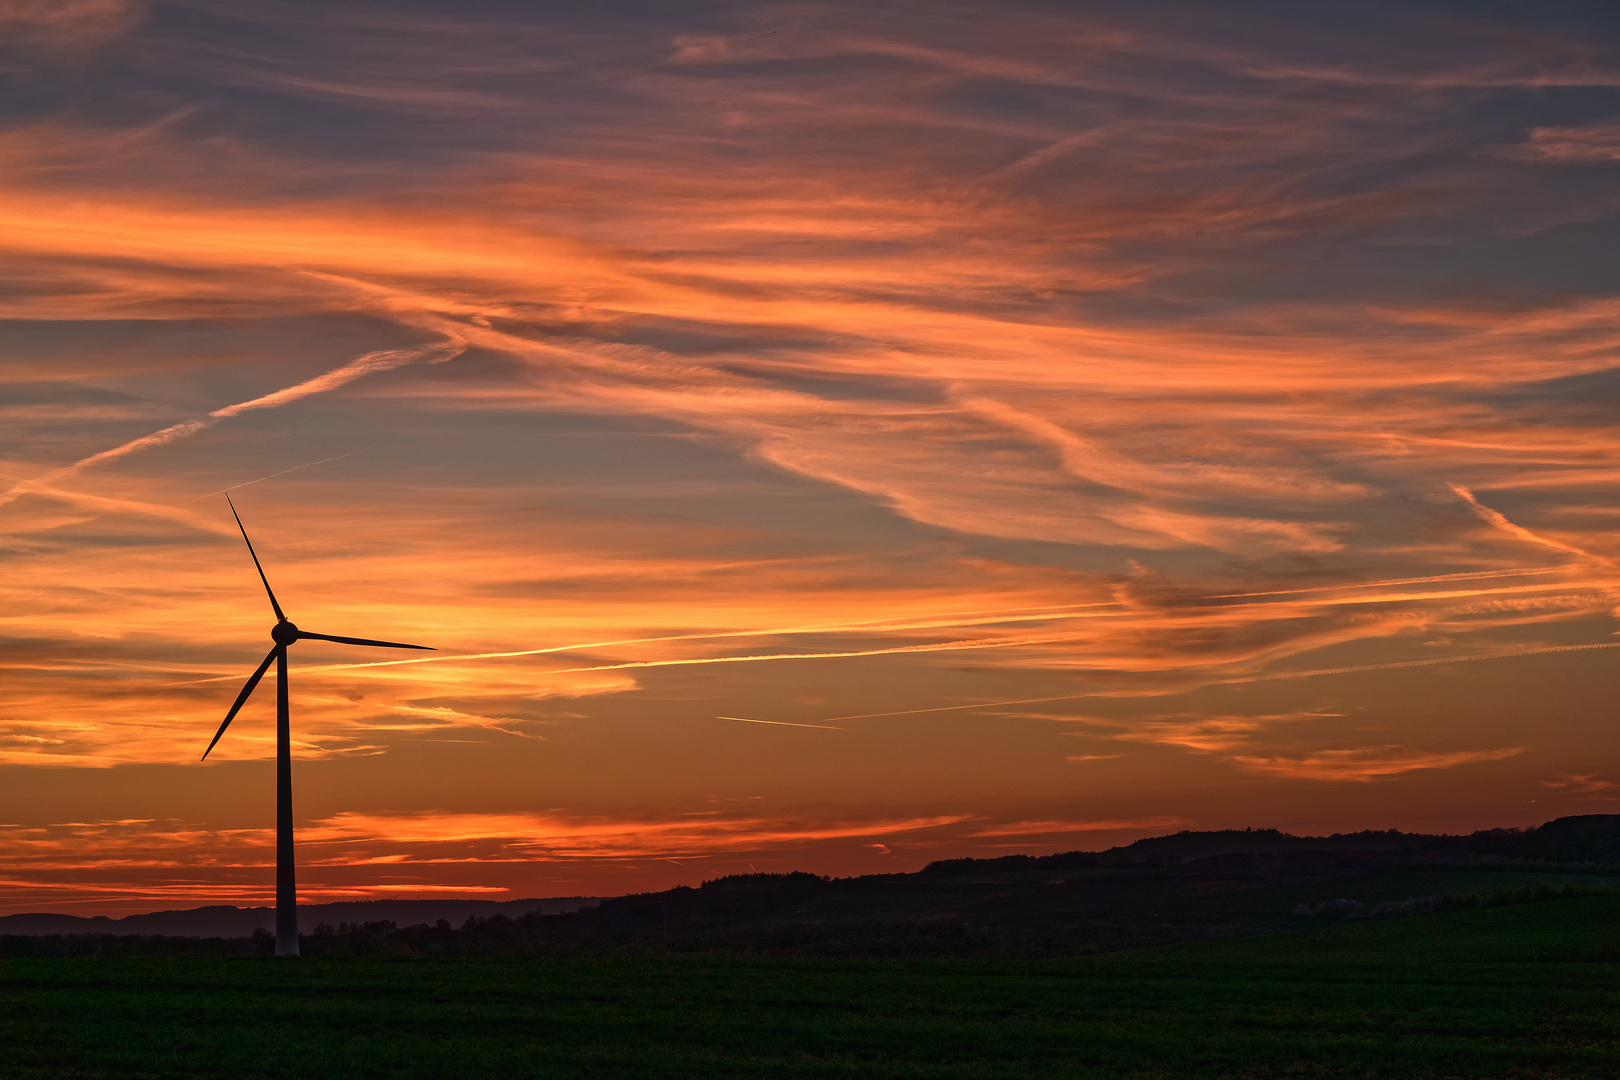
{"x":1256,"y":678}
{"x":1055,"y":615}
{"x":1431,"y":594}
{"x":382,"y":360}
{"x":835,"y":628}
{"x":129,"y":506}
{"x":1421,"y":663}
{"x":1499,"y":520}
{"x":779,"y":723}
{"x":1432,"y":579}
{"x":944,"y":646}
{"x":955,"y":708}
{"x":283,"y":472}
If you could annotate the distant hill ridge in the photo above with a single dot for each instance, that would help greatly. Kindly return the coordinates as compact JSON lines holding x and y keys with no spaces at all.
{"x":1581,"y":844}
{"x":235,"y":922}
{"x":1581,"y":839}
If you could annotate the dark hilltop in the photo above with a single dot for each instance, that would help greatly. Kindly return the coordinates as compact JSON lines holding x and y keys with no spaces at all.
{"x":1165,"y":889}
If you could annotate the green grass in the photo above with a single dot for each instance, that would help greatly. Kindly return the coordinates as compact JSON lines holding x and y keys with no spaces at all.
{"x":1530,"y":991}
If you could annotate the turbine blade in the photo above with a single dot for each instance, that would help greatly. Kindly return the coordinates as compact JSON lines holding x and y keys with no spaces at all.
{"x":241,"y":699}
{"x":362,"y":641}
{"x":273,"y":605}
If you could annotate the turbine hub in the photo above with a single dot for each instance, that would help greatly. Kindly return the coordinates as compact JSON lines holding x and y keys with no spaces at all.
{"x":284,"y":633}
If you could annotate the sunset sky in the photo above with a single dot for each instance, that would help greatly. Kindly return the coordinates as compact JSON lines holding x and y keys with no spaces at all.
{"x":1085,"y":420}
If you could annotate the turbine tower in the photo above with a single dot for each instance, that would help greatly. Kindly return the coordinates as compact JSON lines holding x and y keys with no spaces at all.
{"x":284,"y":633}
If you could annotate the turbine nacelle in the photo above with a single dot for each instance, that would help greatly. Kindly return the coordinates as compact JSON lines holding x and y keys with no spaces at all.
{"x":284,"y":633}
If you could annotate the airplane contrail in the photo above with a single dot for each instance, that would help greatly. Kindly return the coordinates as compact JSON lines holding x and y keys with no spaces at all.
{"x":128,"y":506}
{"x":1256,"y":678}
{"x":957,"y":708}
{"x":1431,"y":579}
{"x":834,"y":628}
{"x":1497,"y":519}
{"x":1055,"y":615}
{"x":283,"y":472}
{"x":944,"y":646}
{"x":779,"y":723}
{"x":1065,"y":612}
{"x":1432,"y":594}
{"x":381,"y":360}
{"x":1422,"y":663}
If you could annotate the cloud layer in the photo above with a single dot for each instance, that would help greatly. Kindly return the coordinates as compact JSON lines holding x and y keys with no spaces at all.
{"x":800,"y":362}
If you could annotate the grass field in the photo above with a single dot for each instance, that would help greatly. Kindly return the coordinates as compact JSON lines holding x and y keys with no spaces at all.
{"x":1530,"y":991}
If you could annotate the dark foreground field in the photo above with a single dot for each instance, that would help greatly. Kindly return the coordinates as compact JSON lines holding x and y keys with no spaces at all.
{"x":1529,"y":991}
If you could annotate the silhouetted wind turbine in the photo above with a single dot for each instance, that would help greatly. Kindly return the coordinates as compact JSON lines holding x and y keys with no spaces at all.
{"x":284,"y":633}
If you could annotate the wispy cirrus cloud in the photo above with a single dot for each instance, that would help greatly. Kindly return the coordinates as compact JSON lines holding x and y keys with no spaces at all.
{"x":723,"y":357}
{"x":1572,"y":144}
{"x":1583,"y":784}
{"x":1368,"y":763}
{"x":1272,"y":745}
{"x":1058,"y":828}
{"x":70,"y":27}
{"x":385,"y":360}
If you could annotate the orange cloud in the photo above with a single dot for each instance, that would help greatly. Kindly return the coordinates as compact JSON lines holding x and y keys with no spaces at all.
{"x":1053,"y":828}
{"x":1575,"y":143}
{"x":109,"y":864}
{"x":897,"y":363}
{"x":1370,"y":763}
{"x":1582,"y":784}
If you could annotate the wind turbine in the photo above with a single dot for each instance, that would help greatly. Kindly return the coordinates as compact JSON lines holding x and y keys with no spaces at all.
{"x":284,"y":633}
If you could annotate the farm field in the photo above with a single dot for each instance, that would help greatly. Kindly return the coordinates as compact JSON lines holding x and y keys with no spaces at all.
{"x":1526,"y":991}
